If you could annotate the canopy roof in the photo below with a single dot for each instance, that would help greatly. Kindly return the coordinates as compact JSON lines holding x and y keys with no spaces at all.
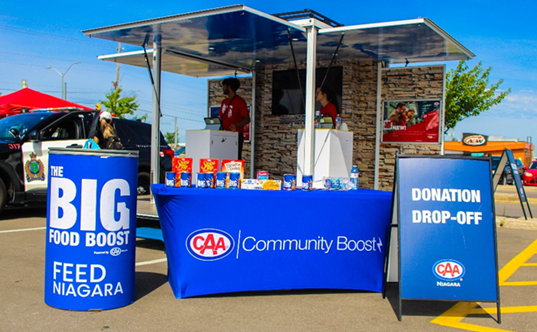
{"x":14,"y":102}
{"x":224,"y":40}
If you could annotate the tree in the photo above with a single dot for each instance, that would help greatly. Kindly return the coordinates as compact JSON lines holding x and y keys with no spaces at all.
{"x":468,"y":93}
{"x":119,"y":106}
{"x":170,"y":138}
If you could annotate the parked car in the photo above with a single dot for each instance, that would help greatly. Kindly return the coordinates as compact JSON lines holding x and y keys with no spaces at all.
{"x":530,"y":175}
{"x":25,"y":139}
{"x":507,"y":177}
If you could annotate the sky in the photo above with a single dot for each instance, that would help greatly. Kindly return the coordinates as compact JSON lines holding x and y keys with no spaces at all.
{"x":36,"y":35}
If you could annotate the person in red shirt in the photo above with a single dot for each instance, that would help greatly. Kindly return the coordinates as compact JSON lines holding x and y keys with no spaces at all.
{"x":233,"y":110}
{"x":326,"y":98}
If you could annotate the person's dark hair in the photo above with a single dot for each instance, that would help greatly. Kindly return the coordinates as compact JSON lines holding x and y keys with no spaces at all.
{"x":400,"y":105}
{"x":330,"y":95}
{"x":233,"y":83}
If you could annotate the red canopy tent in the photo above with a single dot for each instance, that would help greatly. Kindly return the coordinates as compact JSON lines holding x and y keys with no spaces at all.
{"x":14,"y":102}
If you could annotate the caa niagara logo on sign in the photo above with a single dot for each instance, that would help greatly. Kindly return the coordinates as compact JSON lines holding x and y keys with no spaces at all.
{"x":209,"y":244}
{"x":449,"y":270}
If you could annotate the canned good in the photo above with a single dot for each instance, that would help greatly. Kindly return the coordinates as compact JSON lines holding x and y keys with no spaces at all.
{"x":289,"y":182}
{"x":234,"y":180}
{"x":221,"y":178}
{"x":307,"y":182}
{"x":209,"y":180}
{"x":170,"y":179}
{"x":201,"y":180}
{"x":185,"y":179}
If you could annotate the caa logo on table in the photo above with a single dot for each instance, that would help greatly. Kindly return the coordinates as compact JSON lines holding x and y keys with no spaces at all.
{"x":209,"y":244}
{"x":449,"y":270}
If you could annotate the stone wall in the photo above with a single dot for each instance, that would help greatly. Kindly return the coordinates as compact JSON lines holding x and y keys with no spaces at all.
{"x":408,"y":83}
{"x":276,"y":135}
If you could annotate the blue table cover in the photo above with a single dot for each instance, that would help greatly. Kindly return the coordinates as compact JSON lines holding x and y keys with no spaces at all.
{"x":224,"y":240}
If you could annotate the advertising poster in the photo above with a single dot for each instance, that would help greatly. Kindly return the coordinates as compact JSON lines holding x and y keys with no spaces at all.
{"x":447,"y":234}
{"x":411,"y":121}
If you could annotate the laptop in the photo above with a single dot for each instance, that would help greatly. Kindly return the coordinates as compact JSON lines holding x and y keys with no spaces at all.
{"x":327,"y":122}
{"x":213,"y":123}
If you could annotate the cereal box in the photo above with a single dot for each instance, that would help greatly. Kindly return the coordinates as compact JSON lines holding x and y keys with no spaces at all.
{"x":208,"y":165}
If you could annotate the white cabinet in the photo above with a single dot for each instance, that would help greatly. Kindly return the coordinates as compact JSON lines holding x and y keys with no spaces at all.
{"x":332,"y":157}
{"x":216,"y":144}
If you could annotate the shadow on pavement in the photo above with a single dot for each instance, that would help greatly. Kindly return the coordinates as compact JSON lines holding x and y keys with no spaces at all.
{"x":147,"y":282}
{"x":416,"y":307}
{"x":150,"y":244}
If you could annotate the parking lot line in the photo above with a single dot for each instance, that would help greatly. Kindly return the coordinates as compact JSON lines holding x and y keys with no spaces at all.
{"x":23,"y":230}
{"x":155,"y":261}
{"x":454,"y":316}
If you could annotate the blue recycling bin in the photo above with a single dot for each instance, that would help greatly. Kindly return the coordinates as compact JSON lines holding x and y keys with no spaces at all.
{"x":91,"y":228}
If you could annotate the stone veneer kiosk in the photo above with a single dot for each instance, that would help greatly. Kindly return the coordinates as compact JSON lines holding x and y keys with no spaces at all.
{"x":276,"y":135}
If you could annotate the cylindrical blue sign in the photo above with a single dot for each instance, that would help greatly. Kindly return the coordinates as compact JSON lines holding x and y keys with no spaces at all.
{"x":91,"y":229}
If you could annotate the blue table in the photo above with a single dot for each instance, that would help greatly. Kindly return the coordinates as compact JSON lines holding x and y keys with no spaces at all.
{"x":222,"y":240}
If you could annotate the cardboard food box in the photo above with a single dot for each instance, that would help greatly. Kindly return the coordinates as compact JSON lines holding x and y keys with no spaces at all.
{"x":233,"y":166}
{"x":181,"y":165}
{"x":262,"y":175}
{"x":272,"y":184}
{"x":252,"y":184}
{"x":208,"y":165}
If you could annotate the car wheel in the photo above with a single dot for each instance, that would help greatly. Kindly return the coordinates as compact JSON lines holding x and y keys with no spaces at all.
{"x":3,"y":195}
{"x":144,"y":183}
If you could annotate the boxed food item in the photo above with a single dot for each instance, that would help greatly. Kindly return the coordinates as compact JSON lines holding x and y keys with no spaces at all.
{"x":252,"y":184}
{"x":233,"y":166}
{"x":262,"y":175}
{"x":342,"y":184}
{"x":180,"y":165}
{"x":208,"y":165}
{"x":272,"y":184}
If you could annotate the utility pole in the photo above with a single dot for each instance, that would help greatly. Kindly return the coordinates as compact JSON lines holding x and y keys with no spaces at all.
{"x":175,"y":133}
{"x":117,"y":68}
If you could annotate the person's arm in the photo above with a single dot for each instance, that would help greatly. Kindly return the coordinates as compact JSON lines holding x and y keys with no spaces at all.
{"x":245,"y":117}
{"x":245,"y":120}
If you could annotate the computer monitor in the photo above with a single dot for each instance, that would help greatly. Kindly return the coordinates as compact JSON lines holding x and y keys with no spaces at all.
{"x":213,"y":123}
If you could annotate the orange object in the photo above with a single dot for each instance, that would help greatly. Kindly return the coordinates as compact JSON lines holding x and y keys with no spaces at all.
{"x":521,"y":150}
{"x":181,"y":165}
{"x":208,"y":165}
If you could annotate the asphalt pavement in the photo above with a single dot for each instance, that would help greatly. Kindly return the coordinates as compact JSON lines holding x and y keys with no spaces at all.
{"x":22,"y":306}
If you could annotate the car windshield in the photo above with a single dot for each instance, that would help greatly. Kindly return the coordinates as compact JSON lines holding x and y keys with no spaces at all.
{"x":12,"y":128}
{"x":533,"y":165}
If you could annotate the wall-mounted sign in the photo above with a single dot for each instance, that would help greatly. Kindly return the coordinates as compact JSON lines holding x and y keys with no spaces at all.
{"x":411,"y":121}
{"x":474,"y":139}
